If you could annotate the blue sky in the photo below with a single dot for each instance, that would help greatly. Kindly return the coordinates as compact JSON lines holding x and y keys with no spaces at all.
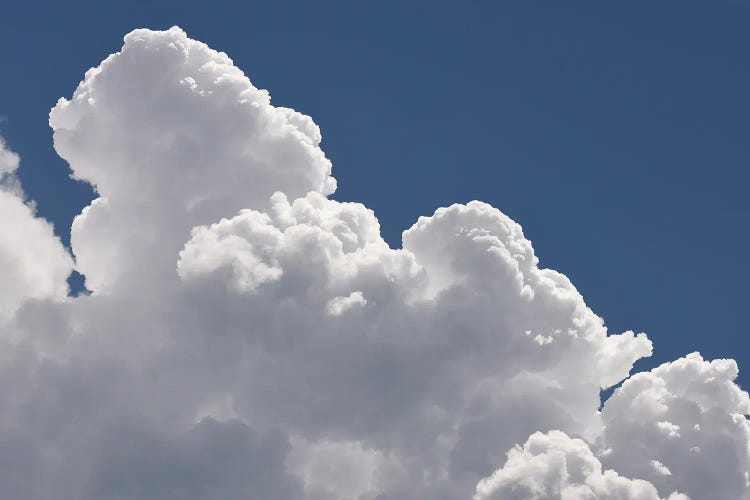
{"x":616,"y":135}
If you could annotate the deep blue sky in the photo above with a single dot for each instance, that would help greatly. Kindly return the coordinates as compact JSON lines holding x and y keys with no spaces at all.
{"x":616,"y":133}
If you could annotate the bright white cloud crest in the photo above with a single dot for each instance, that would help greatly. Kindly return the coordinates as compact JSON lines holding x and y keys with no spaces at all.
{"x":248,"y":337}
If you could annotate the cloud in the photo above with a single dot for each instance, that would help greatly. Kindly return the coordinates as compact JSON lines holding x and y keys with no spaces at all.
{"x":249,"y":337}
{"x":555,"y":466}
{"x":682,"y":425}
{"x":34,"y":263}
{"x":172,"y":135}
{"x":8,"y":159}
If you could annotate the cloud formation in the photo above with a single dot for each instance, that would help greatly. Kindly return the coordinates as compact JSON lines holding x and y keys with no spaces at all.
{"x":249,"y":337}
{"x":34,"y":263}
{"x":553,"y":465}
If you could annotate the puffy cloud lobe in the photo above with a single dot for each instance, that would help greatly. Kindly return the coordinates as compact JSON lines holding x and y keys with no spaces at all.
{"x":338,"y":305}
{"x":554,"y":466}
{"x":476,"y":247}
{"x":258,"y":339}
{"x":34,"y":263}
{"x":172,"y":135}
{"x":320,"y":242}
{"x":682,"y":425}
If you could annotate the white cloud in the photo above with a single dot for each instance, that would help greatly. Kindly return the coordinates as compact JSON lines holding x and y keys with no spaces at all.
{"x":660,"y":468}
{"x":33,"y":261}
{"x":172,"y":135}
{"x":248,"y":336}
{"x":338,"y":305}
{"x":682,"y":425}
{"x":8,"y":159}
{"x":554,"y":466}
{"x":669,"y":428}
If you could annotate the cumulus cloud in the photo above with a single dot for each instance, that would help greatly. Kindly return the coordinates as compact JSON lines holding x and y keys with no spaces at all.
{"x":8,"y":159}
{"x":249,"y":337}
{"x":172,"y":135}
{"x":682,"y":425}
{"x":34,"y":263}
{"x":555,"y":466}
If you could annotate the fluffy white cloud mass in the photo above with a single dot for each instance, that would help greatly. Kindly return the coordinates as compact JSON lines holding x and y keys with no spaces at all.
{"x":554,"y":466}
{"x":33,"y":262}
{"x":249,"y":337}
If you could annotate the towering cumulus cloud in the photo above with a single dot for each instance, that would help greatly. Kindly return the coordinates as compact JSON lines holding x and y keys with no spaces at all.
{"x":249,"y":337}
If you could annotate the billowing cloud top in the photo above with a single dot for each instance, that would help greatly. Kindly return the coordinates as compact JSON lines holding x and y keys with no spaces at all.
{"x":248,"y":337}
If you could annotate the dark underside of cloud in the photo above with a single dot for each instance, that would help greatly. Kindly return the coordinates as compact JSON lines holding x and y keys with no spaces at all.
{"x":247,"y":337}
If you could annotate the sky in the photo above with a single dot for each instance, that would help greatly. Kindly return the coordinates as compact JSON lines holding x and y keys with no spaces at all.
{"x":615,"y":135}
